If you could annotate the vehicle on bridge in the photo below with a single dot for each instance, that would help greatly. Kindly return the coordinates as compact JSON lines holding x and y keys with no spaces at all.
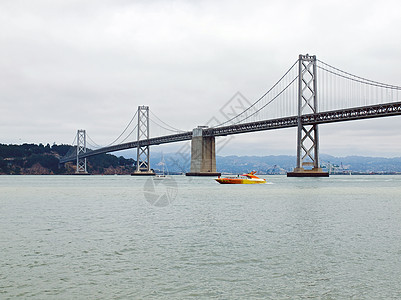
{"x":249,"y":178}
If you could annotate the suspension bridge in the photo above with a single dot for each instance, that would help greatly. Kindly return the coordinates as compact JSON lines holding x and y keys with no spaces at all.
{"x":311,"y":92}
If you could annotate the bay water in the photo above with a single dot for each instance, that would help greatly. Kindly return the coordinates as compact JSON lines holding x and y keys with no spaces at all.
{"x":126,"y":237}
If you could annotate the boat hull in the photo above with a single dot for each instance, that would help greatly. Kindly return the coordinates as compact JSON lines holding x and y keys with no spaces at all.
{"x":239,"y":181}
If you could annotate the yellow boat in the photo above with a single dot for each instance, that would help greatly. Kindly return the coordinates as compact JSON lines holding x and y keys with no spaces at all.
{"x":249,"y":178}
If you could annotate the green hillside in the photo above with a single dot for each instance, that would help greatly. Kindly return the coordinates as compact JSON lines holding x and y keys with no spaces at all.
{"x":32,"y":159}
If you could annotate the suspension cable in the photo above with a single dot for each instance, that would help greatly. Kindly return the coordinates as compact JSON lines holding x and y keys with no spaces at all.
{"x":126,"y":127}
{"x":168,"y":129}
{"x":75,"y":138}
{"x":94,"y":144}
{"x":274,"y":98}
{"x":175,"y":129}
{"x":136,"y":126}
{"x":368,"y":82}
{"x":361,"y":79}
{"x":259,"y":98}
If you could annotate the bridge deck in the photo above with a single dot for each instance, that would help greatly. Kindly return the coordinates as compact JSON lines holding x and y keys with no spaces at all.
{"x":351,"y":114}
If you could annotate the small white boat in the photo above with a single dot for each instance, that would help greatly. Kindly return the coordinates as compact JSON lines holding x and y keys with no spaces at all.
{"x":162,"y":176}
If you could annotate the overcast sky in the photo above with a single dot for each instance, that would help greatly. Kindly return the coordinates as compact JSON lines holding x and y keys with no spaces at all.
{"x":68,"y":65}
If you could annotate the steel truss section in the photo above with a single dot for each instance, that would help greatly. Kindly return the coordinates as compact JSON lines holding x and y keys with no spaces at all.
{"x":312,"y":119}
{"x":308,"y":135}
{"x":349,"y":114}
{"x":142,"y":162}
{"x":356,"y":113}
{"x":153,"y":141}
{"x":81,"y":149}
{"x":253,"y":126}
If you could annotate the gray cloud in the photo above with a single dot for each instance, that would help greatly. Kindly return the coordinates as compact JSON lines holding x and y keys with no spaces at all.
{"x":67,"y":65}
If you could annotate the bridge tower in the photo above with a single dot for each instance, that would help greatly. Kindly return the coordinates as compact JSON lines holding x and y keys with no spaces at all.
{"x":308,"y":135}
{"x":142,"y":155}
{"x":81,"y":148}
{"x":203,"y":154}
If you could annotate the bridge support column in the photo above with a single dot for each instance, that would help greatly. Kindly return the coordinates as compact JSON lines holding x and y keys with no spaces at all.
{"x":203,"y":154}
{"x":142,"y":154}
{"x":308,"y":136}
{"x":81,"y":148}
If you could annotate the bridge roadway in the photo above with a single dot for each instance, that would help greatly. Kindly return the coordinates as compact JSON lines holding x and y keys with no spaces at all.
{"x":350,"y":114}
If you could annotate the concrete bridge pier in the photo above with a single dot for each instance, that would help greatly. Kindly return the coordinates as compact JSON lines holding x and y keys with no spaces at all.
{"x":203,"y":154}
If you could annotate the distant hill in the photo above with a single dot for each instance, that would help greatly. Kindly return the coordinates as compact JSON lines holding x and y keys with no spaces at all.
{"x":41,"y":159}
{"x":32,"y":159}
{"x":262,"y":164}
{"x":362,"y":164}
{"x":281,"y":164}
